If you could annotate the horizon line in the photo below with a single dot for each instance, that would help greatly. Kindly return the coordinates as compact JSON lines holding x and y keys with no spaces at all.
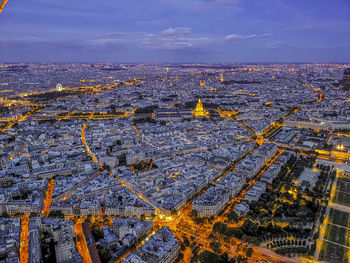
{"x":188,"y":63}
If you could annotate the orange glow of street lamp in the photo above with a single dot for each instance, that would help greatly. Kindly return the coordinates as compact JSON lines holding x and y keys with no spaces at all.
{"x":340,"y":147}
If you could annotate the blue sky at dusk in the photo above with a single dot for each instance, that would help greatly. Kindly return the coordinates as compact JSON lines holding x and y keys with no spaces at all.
{"x":175,"y":31}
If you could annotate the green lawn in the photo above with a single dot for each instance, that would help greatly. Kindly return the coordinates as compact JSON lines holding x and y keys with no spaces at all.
{"x":336,"y":234}
{"x":343,"y":186}
{"x":342,"y":198}
{"x":333,"y":253}
{"x":339,"y":218}
{"x":345,"y":179}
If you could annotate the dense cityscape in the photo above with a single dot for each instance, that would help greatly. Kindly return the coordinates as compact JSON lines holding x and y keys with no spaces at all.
{"x":134,"y":163}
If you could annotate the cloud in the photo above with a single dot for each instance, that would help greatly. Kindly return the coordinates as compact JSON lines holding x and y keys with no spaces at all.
{"x":279,"y":44}
{"x":170,"y":44}
{"x":178,"y":38}
{"x":104,"y":42}
{"x":297,"y":28}
{"x":231,"y":37}
{"x":175,"y":39}
{"x":169,"y":39}
{"x":177,"y":31}
{"x":236,"y":37}
{"x":110,"y":40}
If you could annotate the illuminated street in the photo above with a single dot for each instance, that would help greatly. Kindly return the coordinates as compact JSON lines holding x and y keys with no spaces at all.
{"x":48,"y":198}
{"x":81,"y":242}
{"x":24,"y":245}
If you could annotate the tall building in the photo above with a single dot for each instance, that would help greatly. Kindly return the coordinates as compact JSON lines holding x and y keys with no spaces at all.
{"x":200,"y":111}
{"x":346,"y":80}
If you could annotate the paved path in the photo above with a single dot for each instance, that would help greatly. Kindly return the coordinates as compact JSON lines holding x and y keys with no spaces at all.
{"x":323,"y":227}
{"x":328,"y":241}
{"x":339,"y":225}
{"x":339,"y":207}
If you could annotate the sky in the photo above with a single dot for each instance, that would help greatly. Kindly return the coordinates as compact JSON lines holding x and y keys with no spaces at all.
{"x":175,"y":31}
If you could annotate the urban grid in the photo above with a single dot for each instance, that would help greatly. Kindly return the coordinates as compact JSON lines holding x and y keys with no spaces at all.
{"x":156,"y":163}
{"x":174,"y":131}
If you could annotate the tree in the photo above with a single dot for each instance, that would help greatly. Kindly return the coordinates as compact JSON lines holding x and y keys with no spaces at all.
{"x":105,"y":255}
{"x":233,"y":216}
{"x":182,"y":246}
{"x":216,"y":247}
{"x":5,"y":214}
{"x":219,"y":227}
{"x":106,"y":167}
{"x":186,"y":241}
{"x":97,"y":233}
{"x":249,"y":252}
{"x":209,"y":257}
{"x":194,"y":213}
{"x":173,"y":212}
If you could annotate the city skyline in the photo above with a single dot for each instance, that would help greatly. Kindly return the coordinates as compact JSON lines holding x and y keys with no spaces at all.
{"x":175,"y":31}
{"x":183,"y":131}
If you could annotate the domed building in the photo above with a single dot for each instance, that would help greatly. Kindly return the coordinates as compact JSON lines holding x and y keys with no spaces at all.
{"x":199,"y":111}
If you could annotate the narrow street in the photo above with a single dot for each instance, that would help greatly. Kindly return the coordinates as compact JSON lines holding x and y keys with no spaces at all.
{"x":81,"y":242}
{"x":47,"y":201}
{"x":24,"y":245}
{"x":93,"y":157}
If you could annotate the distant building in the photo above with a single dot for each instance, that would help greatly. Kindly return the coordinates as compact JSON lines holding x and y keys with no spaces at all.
{"x":167,"y":115}
{"x":346,"y":80}
{"x":172,"y":114}
{"x":199,"y":111}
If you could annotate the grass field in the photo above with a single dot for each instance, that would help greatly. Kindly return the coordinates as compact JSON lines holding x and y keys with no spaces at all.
{"x":342,"y":198}
{"x":339,"y":218}
{"x":342,"y":195}
{"x":336,"y":232}
{"x":334,"y":253}
{"x":343,"y":185}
